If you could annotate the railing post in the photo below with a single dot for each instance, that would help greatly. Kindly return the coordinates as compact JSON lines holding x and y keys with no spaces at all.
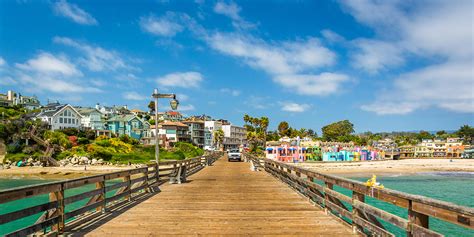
{"x":157,"y":171}
{"x":147,"y":188}
{"x":326,"y":197}
{"x":101,"y":197}
{"x":417,"y":219}
{"x":356,"y":213}
{"x":58,"y":196}
{"x":128,"y":188}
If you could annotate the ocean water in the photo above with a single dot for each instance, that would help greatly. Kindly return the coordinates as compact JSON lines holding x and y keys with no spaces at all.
{"x":457,"y":188}
{"x":36,"y":200}
{"x":452,"y":187}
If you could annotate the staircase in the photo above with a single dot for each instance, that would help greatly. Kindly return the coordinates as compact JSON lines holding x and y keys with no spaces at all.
{"x":47,"y":155}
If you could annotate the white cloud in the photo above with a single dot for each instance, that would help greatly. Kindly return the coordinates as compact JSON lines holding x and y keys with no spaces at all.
{"x":449,"y":86}
{"x":74,"y":13}
{"x":186,"y":107}
{"x":332,"y":36}
{"x":309,"y":84}
{"x":48,"y":63}
{"x":96,"y":58}
{"x":182,"y":97}
{"x":435,"y":33}
{"x":2,"y":62}
{"x":232,"y":11}
{"x":7,"y":81}
{"x":132,"y":95}
{"x":166,"y":25}
{"x":181,"y":79}
{"x":42,"y":82}
{"x":231,"y":92}
{"x":375,"y":55}
{"x":281,"y":58}
{"x":294,"y":107}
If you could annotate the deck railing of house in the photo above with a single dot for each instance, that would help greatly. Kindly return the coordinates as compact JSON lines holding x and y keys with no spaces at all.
{"x":111,"y":190}
{"x":365,"y":218}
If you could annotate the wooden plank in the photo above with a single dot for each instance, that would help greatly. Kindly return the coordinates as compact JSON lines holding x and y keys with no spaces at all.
{"x":386,"y":216}
{"x":372,"y":228}
{"x":34,"y":228}
{"x":82,"y":210}
{"x":83,"y":181}
{"x":29,"y":191}
{"x":9,"y":217}
{"x":444,"y":214}
{"x":81,"y":196}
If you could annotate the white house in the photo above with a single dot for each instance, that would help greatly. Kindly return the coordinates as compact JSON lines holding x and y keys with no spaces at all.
{"x":209,"y":128}
{"x":91,"y":118}
{"x":60,"y":116}
{"x":234,"y":136}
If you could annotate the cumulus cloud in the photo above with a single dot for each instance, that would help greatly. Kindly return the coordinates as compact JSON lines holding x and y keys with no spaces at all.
{"x":313,"y":84}
{"x":186,"y":107}
{"x":376,"y":55}
{"x":132,"y":95}
{"x":294,"y":107}
{"x":448,"y":86}
{"x":74,"y":13}
{"x":181,"y":79}
{"x":95,"y":58}
{"x":286,"y":62}
{"x":231,"y":92}
{"x":48,"y":63}
{"x":279,"y":58}
{"x":423,"y":32}
{"x":167,"y":25}
{"x":47,"y":72}
{"x":232,"y":10}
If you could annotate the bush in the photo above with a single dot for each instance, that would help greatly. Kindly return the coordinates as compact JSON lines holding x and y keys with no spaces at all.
{"x":16,"y":157}
{"x":83,"y":141}
{"x":70,"y":131}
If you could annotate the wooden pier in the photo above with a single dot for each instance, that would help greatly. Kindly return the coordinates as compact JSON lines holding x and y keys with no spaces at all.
{"x":225,"y":198}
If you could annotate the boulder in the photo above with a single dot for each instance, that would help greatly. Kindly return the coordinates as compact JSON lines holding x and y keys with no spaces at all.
{"x":30,"y":160}
{"x":93,"y":161}
{"x":74,"y":161}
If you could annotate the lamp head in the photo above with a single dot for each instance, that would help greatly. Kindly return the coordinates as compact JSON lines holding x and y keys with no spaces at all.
{"x":174,"y":104}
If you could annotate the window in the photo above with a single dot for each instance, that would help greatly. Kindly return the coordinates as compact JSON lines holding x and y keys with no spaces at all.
{"x":60,"y":120}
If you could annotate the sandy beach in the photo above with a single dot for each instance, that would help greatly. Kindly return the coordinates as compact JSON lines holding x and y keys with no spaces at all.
{"x":59,"y":173}
{"x":391,"y":167}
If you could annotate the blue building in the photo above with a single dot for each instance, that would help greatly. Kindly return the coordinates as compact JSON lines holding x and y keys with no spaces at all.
{"x":127,"y":124}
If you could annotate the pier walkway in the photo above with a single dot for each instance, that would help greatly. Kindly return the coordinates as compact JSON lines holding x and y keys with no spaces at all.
{"x":224,"y":199}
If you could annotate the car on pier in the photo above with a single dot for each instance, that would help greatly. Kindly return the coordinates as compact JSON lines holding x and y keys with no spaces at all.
{"x":234,"y":154}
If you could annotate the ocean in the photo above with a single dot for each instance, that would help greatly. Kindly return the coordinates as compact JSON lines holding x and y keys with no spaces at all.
{"x":457,"y":188}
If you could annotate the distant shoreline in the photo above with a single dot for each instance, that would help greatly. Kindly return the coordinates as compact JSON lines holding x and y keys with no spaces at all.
{"x":58,"y":173}
{"x":390,"y":167}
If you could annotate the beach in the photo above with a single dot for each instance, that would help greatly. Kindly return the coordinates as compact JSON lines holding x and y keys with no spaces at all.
{"x":59,"y":173}
{"x":390,"y":167}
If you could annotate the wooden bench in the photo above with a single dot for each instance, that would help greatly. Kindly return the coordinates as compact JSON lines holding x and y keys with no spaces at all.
{"x":178,"y":175}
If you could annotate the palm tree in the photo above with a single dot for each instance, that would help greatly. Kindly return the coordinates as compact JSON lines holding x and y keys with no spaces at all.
{"x":246,"y":118}
{"x":218,"y":137}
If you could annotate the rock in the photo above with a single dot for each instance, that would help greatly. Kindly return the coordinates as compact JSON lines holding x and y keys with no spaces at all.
{"x":74,"y":161}
{"x":7,"y":166}
{"x":30,"y":160}
{"x":84,"y":160}
{"x":93,"y":161}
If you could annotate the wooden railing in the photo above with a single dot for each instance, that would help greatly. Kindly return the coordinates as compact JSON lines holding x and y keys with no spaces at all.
{"x":364,"y":217}
{"x":121,"y":187}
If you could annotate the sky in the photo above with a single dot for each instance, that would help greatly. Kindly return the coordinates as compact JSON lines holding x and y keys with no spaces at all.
{"x":396,"y":65}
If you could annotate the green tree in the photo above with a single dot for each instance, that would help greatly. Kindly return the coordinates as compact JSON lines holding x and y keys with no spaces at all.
{"x":466,"y":132}
{"x":342,"y":128}
{"x":424,"y":135}
{"x":283,"y":129}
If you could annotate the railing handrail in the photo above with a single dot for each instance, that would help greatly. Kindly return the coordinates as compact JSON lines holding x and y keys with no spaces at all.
{"x":54,"y":214}
{"x":363,"y":215}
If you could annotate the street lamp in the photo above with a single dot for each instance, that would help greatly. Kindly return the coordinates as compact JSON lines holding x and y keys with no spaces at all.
{"x":174,"y":105}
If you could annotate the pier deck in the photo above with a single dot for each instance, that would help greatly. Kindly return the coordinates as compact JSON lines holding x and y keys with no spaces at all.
{"x":224,"y":199}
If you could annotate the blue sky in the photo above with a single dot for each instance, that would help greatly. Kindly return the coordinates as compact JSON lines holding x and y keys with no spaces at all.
{"x":384,"y":65}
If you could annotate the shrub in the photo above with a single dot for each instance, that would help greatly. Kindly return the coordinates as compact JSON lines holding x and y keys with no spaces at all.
{"x":83,"y":141}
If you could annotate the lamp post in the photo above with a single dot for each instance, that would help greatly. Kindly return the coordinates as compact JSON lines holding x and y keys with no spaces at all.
{"x":174,"y":105}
